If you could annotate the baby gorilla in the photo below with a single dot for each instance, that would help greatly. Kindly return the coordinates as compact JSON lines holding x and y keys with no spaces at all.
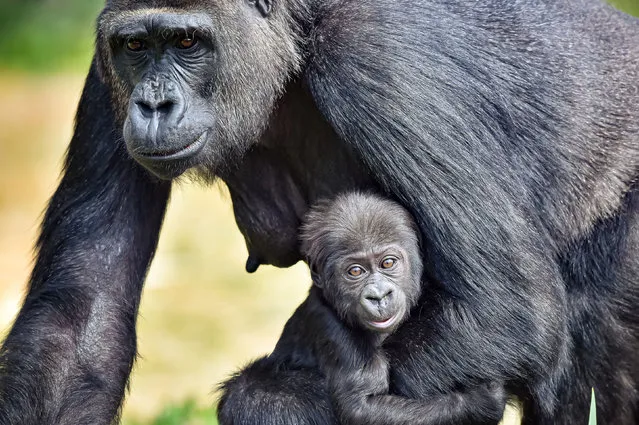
{"x":364,"y":256}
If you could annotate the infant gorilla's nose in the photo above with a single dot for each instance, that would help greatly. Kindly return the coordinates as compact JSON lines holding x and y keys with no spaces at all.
{"x":377,"y":297}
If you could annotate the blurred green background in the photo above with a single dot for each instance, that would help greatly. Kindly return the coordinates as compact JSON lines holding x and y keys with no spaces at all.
{"x":202,"y":316}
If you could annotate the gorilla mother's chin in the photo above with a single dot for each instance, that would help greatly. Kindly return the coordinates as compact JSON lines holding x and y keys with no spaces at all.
{"x":169,"y":162}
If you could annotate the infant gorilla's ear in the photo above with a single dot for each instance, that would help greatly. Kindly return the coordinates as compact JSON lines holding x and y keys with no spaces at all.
{"x":363,"y":253}
{"x":315,"y":275}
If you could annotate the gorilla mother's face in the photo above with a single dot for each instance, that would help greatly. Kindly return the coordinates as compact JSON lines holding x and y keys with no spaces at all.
{"x":194,"y":86}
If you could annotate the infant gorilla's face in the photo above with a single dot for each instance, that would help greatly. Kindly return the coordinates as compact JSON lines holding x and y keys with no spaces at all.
{"x":364,"y":255}
{"x":374,"y":288}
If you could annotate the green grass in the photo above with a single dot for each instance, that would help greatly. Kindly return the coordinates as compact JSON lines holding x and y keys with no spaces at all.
{"x":188,"y":413}
{"x":630,"y":6}
{"x":593,"y":409}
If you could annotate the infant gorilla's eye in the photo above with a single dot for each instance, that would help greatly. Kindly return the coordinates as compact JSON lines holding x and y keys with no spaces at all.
{"x":355,"y":271}
{"x":388,"y":262}
{"x":135,"y":45}
{"x":187,"y":42}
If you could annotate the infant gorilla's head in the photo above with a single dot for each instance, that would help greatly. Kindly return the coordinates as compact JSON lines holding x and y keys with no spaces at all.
{"x":363,"y":251}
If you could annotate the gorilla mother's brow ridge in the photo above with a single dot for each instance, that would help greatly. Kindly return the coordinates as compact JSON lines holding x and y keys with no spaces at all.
{"x":157,"y":23}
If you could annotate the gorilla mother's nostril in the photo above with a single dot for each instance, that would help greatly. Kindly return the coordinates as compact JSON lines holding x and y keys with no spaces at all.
{"x":161,"y":108}
{"x":145,"y":108}
{"x":164,"y":108}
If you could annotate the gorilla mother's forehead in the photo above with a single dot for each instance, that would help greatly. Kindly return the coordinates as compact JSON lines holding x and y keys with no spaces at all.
{"x":148,"y":20}
{"x":126,"y":5}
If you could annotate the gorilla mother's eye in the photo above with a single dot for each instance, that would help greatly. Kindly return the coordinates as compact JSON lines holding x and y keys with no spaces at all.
{"x":186,"y":42}
{"x":355,"y":271}
{"x":135,"y":45}
{"x":388,"y":263}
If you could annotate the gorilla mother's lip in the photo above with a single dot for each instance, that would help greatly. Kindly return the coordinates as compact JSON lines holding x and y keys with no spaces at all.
{"x":384,"y":324}
{"x":182,"y":152}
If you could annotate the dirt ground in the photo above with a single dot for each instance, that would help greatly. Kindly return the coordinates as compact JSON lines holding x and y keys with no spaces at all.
{"x":202,"y":316}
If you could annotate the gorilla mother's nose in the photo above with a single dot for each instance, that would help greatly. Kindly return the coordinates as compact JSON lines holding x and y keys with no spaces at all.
{"x":155,"y":104}
{"x":163,"y":108}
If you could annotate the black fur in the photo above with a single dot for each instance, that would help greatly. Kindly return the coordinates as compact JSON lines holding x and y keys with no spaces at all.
{"x":509,"y":130}
{"x":365,"y":255}
{"x":72,"y":347}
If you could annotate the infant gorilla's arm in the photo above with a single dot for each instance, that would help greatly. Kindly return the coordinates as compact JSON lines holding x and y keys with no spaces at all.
{"x":360,"y":396}
{"x":358,"y":380}
{"x":364,"y":254}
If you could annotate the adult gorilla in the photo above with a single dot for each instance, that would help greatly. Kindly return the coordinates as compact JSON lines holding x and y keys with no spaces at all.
{"x":509,"y":129}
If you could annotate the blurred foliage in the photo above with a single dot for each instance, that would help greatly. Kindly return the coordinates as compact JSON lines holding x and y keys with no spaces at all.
{"x":186,"y":414}
{"x":57,"y":35}
{"x":630,"y":6}
{"x":47,"y":35}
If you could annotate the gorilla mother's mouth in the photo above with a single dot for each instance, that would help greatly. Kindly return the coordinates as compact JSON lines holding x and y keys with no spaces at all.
{"x":182,"y":152}
{"x":383,"y":324}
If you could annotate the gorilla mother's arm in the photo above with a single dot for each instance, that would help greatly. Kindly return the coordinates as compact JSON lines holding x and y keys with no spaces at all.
{"x":442,"y":159}
{"x":73,"y":344}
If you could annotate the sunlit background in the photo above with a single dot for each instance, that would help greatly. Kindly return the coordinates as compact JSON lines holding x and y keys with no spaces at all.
{"x":202,"y":316}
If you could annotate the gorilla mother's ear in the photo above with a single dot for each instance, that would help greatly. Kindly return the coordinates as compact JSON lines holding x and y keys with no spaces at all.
{"x":263,"y":6}
{"x":102,"y":60}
